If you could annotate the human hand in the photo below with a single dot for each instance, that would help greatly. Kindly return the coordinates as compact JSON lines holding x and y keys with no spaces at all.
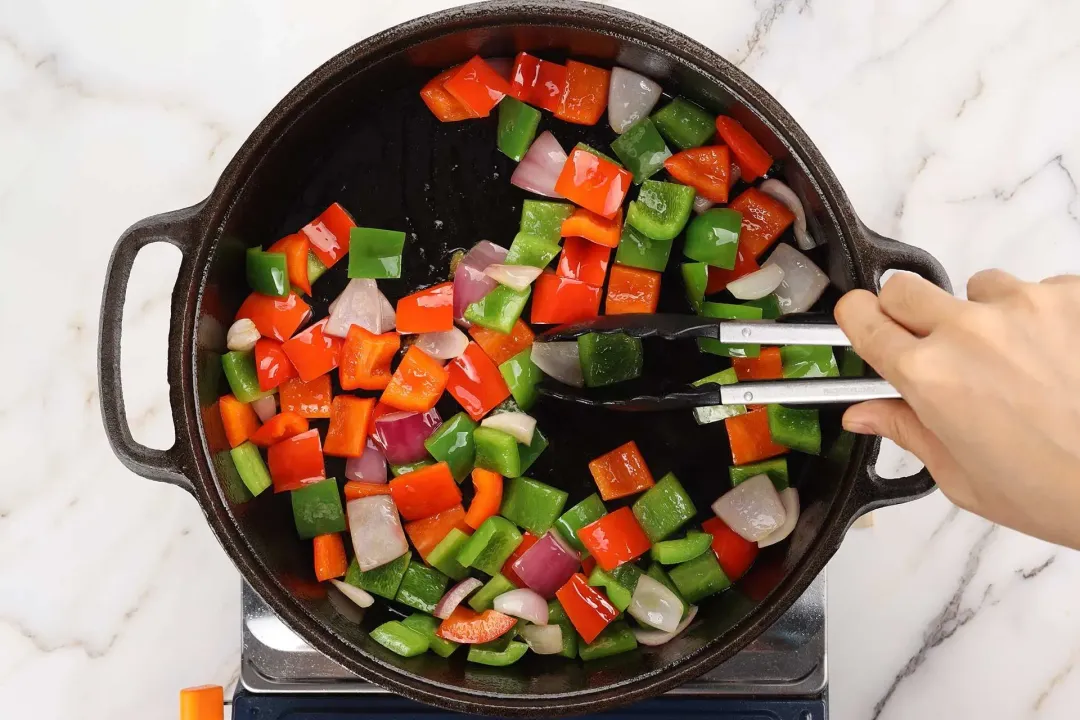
{"x":991,"y":389}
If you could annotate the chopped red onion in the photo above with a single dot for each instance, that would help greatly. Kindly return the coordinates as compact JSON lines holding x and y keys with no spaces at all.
{"x":518,"y":425}
{"x":516,"y":277}
{"x":370,"y":467}
{"x":375,"y":527}
{"x":502,"y":65}
{"x":360,"y":303}
{"x":757,"y":284}
{"x":547,"y":565}
{"x":653,"y":604}
{"x":701,"y":204}
{"x":786,"y":195}
{"x":630,"y":98}
{"x":525,"y":604}
{"x":242,"y":335}
{"x":401,"y":435}
{"x":265,"y":407}
{"x":803,"y":282}
{"x":470,"y":282}
{"x":652,"y":638}
{"x":455,"y":596}
{"x":559,"y":360}
{"x":543,"y":639}
{"x":790,"y":499}
{"x":752,"y":508}
{"x":445,"y":345}
{"x":358,"y":595}
{"x":539,"y":169}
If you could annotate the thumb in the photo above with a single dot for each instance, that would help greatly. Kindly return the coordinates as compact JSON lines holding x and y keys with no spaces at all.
{"x":895,"y":420}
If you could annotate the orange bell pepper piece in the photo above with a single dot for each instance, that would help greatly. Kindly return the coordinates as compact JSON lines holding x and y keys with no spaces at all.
{"x":719,"y":277}
{"x":329,"y":234}
{"x":764,"y":219}
{"x":477,"y":86}
{"x":272,"y":365}
{"x":205,"y":702}
{"x":468,"y":626}
{"x":296,"y":462}
{"x":593,"y":183}
{"x":585,"y":95}
{"x":307,"y":399}
{"x":752,"y":159}
{"x":766,"y":366}
{"x":425,"y":534}
{"x":430,"y":310}
{"x":355,"y":489}
{"x":313,"y":352}
{"x":417,"y":384}
{"x":749,"y":437}
{"x":500,"y":347}
{"x":615,"y":538}
{"x":330,"y":561}
{"x":595,"y":228}
{"x":583,"y":260}
{"x":632,"y":290}
{"x":621,"y":472}
{"x":295,"y":248}
{"x":239,"y":419}
{"x":442,"y":104}
{"x":425,"y":492}
{"x":350,"y":418}
{"x":706,"y":169}
{"x":487,"y":497}
{"x":365,"y":359}
{"x":276,"y":318}
{"x":476,"y":383}
{"x":284,"y":425}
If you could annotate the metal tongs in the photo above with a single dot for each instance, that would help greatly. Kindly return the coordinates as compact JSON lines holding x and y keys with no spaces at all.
{"x":792,"y":330}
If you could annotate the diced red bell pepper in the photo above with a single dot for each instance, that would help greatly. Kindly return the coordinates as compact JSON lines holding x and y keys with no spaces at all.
{"x":365,"y":359}
{"x":588,"y":564}
{"x":330,"y":560}
{"x":329,"y":234}
{"x":753,"y":160}
{"x":537,"y":82}
{"x":600,"y":230}
{"x":276,"y":318}
{"x":313,"y":352}
{"x":425,"y":492}
{"x":428,"y":532}
{"x":429,"y":310}
{"x":764,"y":219}
{"x":477,"y":86}
{"x":527,"y":541}
{"x":593,"y":183}
{"x":583,"y":260}
{"x":467,"y":626}
{"x":719,"y":277}
{"x":621,"y":472}
{"x":523,"y":76}
{"x":356,"y":489}
{"x":295,"y":248}
{"x":500,"y":347}
{"x":588,"y":608}
{"x":307,"y":399}
{"x":285,"y":424}
{"x":487,"y":497}
{"x":239,"y":419}
{"x":296,"y":462}
{"x":442,"y":104}
{"x":417,"y":384}
{"x":272,"y":364}
{"x":585,"y":95}
{"x":706,"y":169}
{"x":476,"y":383}
{"x":734,"y":553}
{"x":750,"y":439}
{"x":559,"y":300}
{"x":632,"y":290}
{"x":766,"y":366}
{"x":614,"y":539}
{"x":350,"y":418}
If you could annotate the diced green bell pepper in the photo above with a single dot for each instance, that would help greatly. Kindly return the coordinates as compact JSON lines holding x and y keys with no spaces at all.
{"x":527,"y":454}
{"x":593,"y":151}
{"x":267,"y":272}
{"x":490,"y":546}
{"x":317,"y":509}
{"x":699,"y":578}
{"x":499,"y":309}
{"x":443,"y":557}
{"x":661,"y":209}
{"x":399,"y":639}
{"x":239,"y":367}
{"x":315,"y":268}
{"x":684,"y":124}
{"x":664,"y":508}
{"x":557,"y":616}
{"x":696,"y":279}
{"x":452,"y":442}
{"x":627,"y":575}
{"x":796,"y":428}
{"x":770,"y":306}
{"x":851,"y":365}
{"x":637,"y":250}
{"x":426,"y":626}
{"x":609,"y":358}
{"x":716,"y":413}
{"x":532,"y":250}
{"x":407,"y":468}
{"x":808,"y":361}
{"x":585,"y":512}
{"x":776,"y":469}
{"x":517,"y":127}
{"x":422,"y":587}
{"x":618,"y":595}
{"x":616,"y":638}
{"x":375,"y":253}
{"x":544,"y":218}
{"x":497,"y":451}
{"x":641,"y":150}
{"x":383,"y":580}
{"x":482,"y":655}
{"x":249,"y":464}
{"x":659,"y":574}
{"x":522,"y":376}
{"x":713,"y":237}
{"x":729,"y":312}
{"x":484,"y":598}
{"x":673,"y":552}
{"x":236,"y":492}
{"x":532,"y":504}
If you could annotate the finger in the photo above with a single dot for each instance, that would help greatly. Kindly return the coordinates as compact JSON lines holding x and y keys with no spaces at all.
{"x":876,"y":337}
{"x":1062,"y":280}
{"x":895,"y":420}
{"x":916,"y":303}
{"x":990,"y":285}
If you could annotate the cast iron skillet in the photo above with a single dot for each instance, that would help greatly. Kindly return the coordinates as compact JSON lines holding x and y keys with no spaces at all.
{"x":355,"y":131}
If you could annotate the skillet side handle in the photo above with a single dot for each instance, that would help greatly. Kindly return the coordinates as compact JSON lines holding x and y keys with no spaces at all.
{"x":879,"y":253}
{"x":176,"y":228}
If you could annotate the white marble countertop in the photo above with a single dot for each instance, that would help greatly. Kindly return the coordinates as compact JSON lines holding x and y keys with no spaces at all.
{"x":952,"y":124}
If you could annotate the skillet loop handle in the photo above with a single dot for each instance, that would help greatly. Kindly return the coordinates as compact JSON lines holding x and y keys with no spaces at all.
{"x":879,"y":253}
{"x":874,"y":491}
{"x":176,"y":228}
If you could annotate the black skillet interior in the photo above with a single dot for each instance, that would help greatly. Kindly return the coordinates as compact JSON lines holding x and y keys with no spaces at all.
{"x":371,"y":144}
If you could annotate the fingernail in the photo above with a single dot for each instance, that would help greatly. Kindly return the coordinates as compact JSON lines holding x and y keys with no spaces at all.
{"x":859,"y":428}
